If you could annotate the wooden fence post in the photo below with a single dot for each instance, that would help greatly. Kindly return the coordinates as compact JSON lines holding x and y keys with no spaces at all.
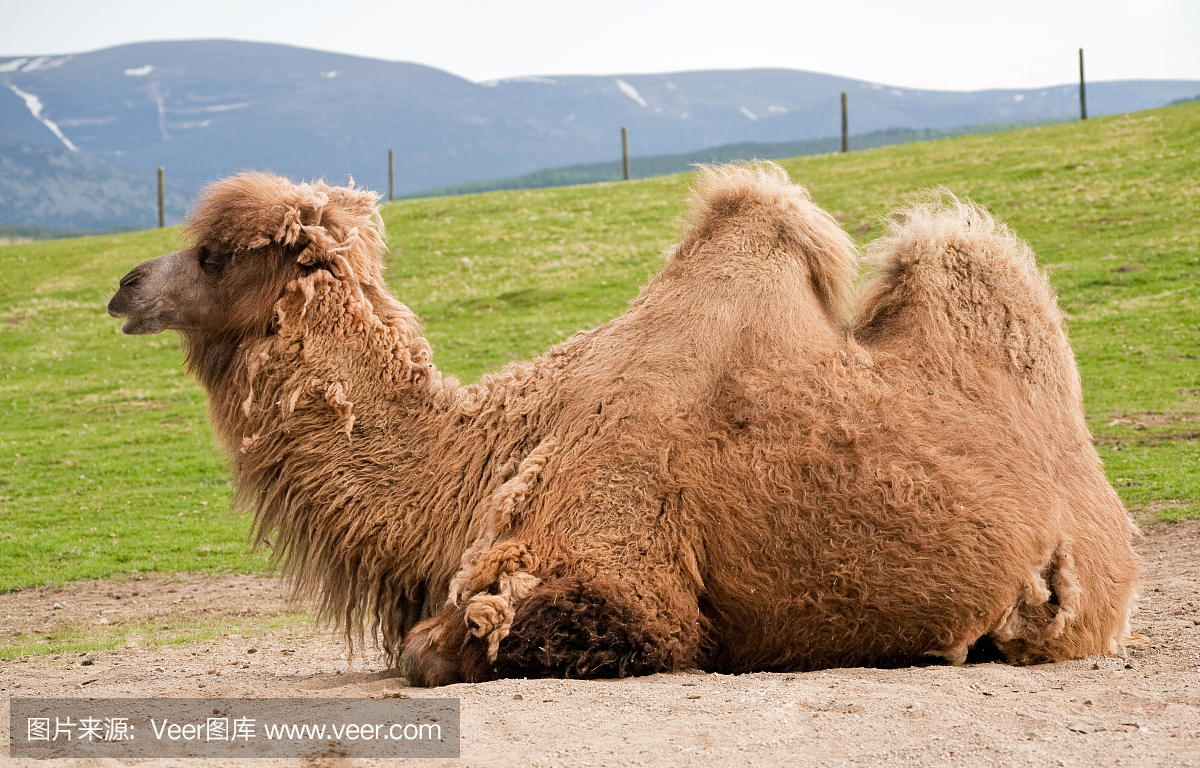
{"x":625,"y":153}
{"x":845,"y":126}
{"x":162,"y":219}
{"x":391,"y":166}
{"x":1082,"y":90}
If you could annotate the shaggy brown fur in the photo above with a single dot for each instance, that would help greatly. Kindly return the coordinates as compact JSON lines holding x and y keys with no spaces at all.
{"x":722,"y":477}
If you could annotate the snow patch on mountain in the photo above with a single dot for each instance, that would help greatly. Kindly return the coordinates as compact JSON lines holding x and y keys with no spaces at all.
{"x":73,"y":122}
{"x":45,"y":62}
{"x":34,"y":104}
{"x":631,"y":92}
{"x":140,"y":71}
{"x":526,"y":79}
{"x":748,"y":113}
{"x":12,"y":66}
{"x":210,"y":108}
{"x":162,"y":114}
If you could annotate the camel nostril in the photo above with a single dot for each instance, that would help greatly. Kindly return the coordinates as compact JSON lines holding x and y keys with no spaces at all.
{"x":133,"y":278}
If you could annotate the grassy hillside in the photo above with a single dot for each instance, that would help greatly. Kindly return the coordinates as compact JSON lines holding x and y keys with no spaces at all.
{"x":107,"y":463}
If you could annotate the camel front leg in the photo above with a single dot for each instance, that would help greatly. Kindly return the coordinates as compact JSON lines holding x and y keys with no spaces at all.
{"x":490,"y":587}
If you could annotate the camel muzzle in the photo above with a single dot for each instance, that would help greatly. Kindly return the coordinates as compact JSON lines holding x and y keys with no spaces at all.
{"x":137,"y":300}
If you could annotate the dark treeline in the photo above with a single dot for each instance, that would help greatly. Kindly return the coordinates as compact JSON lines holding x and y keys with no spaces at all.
{"x":31,"y":232}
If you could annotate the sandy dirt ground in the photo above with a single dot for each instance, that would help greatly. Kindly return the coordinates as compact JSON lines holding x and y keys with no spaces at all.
{"x":1142,"y":710}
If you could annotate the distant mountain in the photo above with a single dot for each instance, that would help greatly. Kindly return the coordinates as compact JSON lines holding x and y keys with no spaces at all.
{"x":687,"y":111}
{"x":48,"y":186}
{"x":209,"y":108}
{"x":205,"y":109}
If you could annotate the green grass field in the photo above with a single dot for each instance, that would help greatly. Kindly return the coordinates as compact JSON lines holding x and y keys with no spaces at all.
{"x":107,"y":464}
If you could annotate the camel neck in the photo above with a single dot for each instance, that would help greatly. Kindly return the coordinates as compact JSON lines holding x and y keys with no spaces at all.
{"x":339,"y":429}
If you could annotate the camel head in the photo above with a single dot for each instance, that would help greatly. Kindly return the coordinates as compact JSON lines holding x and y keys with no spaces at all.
{"x":251,"y":235}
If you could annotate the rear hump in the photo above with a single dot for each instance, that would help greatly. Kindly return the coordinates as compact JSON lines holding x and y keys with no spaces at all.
{"x":954,"y":285}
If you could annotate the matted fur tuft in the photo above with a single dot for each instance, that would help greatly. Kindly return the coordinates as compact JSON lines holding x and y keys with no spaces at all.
{"x":330,"y":226}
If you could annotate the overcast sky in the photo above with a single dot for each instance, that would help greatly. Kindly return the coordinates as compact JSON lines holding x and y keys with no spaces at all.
{"x":944,"y":44}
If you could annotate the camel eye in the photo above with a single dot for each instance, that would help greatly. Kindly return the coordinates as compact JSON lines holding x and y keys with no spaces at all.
{"x":213,"y":263}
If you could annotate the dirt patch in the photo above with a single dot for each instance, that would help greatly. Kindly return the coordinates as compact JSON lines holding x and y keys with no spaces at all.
{"x":1144,"y":420}
{"x":103,"y":607}
{"x":1143,"y":710}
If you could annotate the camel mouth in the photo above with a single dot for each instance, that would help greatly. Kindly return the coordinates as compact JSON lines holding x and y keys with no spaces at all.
{"x":140,"y":326}
{"x":138,"y":322}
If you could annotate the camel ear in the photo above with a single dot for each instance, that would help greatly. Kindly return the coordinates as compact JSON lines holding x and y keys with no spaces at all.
{"x":302,"y":219}
{"x":341,"y":231}
{"x":312,"y":255}
{"x":302,"y":229}
{"x":294,"y":250}
{"x":314,"y":247}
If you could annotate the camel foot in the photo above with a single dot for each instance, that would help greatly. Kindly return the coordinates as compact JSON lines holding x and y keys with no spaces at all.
{"x":424,"y":664}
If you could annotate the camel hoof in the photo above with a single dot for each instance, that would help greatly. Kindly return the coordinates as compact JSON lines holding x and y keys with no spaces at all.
{"x":424,"y":664}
